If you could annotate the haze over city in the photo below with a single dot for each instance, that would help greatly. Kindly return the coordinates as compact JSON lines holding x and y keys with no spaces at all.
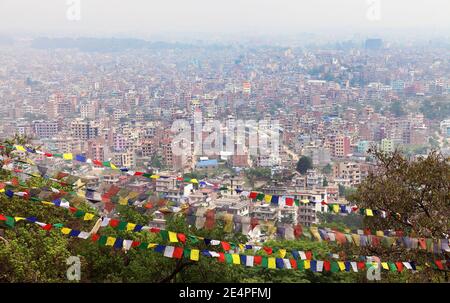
{"x":253,"y":141}
{"x":150,"y":19}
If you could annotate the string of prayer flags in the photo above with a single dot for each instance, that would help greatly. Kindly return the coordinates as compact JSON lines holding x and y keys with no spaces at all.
{"x":82,"y":159}
{"x":290,"y":200}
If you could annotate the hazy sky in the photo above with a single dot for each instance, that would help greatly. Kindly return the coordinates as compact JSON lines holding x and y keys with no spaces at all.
{"x":221,"y":16}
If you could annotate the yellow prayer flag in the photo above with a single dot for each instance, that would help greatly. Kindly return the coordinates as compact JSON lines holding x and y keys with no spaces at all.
{"x":369,"y":212}
{"x":271,"y":263}
{"x":81,"y":193}
{"x":154,"y":177}
{"x":305,"y":201}
{"x":385,"y":265}
{"x":29,"y":161}
{"x":113,"y":166}
{"x":307,"y":264}
{"x":68,"y":156}
{"x":268,"y":198}
{"x":236,"y":259}
{"x":88,"y":216}
{"x":2,"y":190}
{"x":110,"y":241}
{"x":194,"y":181}
{"x":173,"y":236}
{"x":282,"y":253}
{"x":79,"y":184}
{"x":335,"y":208}
{"x":341,"y":265}
{"x":241,"y":247}
{"x":20,"y":148}
{"x":315,"y":232}
{"x":130,"y":226}
{"x":17,"y":219}
{"x":380,"y":233}
{"x":152,"y":245}
{"x":66,"y":230}
{"x":123,"y":201}
{"x":195,"y":254}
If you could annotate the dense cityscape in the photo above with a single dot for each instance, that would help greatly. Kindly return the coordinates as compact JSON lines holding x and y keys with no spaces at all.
{"x":256,"y":142}
{"x":332,"y":106}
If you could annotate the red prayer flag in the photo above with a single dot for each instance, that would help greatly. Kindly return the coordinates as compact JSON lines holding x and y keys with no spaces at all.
{"x":298,"y":231}
{"x":226,"y":246}
{"x":221,"y":257}
{"x":114,"y":222}
{"x":293,"y":263}
{"x":327,"y":265}
{"x":95,"y":237}
{"x":257,"y":260}
{"x":47,"y":227}
{"x":178,"y":252}
{"x":268,"y":250}
{"x":2,"y":218}
{"x":181,"y":238}
{"x":289,"y":201}
{"x":15,"y":181}
{"x":135,"y":244}
{"x":253,"y":195}
{"x":399,"y":266}
{"x":361,"y":265}
{"x":308,"y":255}
{"x":439,"y":264}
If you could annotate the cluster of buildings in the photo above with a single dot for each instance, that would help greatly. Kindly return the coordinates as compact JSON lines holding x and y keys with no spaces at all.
{"x":331,"y":105}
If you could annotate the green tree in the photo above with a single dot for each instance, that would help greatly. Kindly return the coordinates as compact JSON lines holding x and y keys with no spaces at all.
{"x":419,"y":192}
{"x":327,"y":169}
{"x":397,"y":109}
{"x":303,"y":164}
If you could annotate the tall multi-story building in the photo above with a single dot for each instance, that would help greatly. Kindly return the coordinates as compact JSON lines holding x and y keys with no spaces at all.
{"x":84,"y":130}
{"x":45,"y":129}
{"x":342,"y":146}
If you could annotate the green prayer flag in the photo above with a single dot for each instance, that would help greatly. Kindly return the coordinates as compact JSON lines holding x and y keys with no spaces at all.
{"x":164,"y":235}
{"x":187,"y":253}
{"x":79,"y":213}
{"x":102,"y":240}
{"x":334,"y":266}
{"x":260,"y":197}
{"x":10,"y":221}
{"x":392,"y":266}
{"x":143,"y":245}
{"x":265,"y":262}
{"x":193,"y":239}
{"x":228,"y":258}
{"x":301,"y":264}
{"x":122,"y":225}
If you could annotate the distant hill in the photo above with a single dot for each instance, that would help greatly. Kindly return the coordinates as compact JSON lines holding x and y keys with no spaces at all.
{"x":112,"y":44}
